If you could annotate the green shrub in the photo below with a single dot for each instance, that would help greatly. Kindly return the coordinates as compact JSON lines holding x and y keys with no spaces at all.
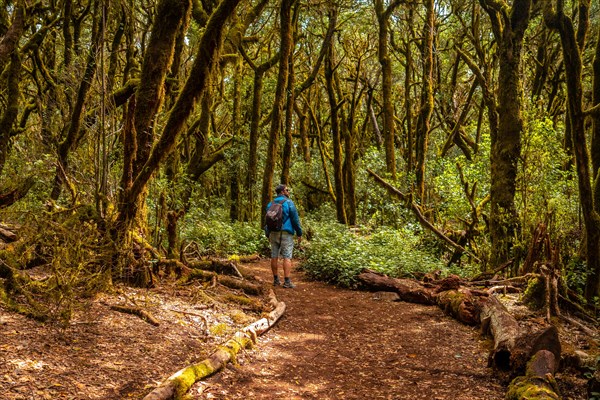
{"x":220,"y":238}
{"x":337,"y":254}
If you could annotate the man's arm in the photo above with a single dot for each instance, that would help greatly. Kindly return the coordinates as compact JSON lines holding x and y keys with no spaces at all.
{"x":295,"y":219}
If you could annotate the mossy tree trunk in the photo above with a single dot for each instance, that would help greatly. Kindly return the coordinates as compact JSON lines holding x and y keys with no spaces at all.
{"x":350,"y":134}
{"x":257,"y":89}
{"x":427,"y":102}
{"x":75,"y":133}
{"x":236,"y":118}
{"x":171,"y":14}
{"x":286,"y":163}
{"x":9,"y":116}
{"x":285,"y":18}
{"x":389,"y":125}
{"x":593,"y":283}
{"x":340,"y":205}
{"x":508,"y":25}
{"x":10,"y":37}
{"x":557,"y":19}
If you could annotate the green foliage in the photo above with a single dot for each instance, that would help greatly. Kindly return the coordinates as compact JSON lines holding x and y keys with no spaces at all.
{"x":575,"y":274}
{"x":336,"y":254}
{"x":224,"y":238}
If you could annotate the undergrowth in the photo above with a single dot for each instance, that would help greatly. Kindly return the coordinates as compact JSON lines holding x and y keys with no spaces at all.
{"x":215,"y":237}
{"x":337,"y":254}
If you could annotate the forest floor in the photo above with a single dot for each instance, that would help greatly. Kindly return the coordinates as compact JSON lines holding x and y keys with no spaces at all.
{"x":331,"y":343}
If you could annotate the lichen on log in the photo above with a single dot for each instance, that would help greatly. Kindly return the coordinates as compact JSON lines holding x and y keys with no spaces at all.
{"x":538,"y":382}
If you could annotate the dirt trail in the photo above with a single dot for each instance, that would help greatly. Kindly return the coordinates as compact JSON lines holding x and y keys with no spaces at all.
{"x":340,"y":344}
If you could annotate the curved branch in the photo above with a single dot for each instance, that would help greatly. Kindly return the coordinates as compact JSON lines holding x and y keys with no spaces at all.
{"x":417,"y":211}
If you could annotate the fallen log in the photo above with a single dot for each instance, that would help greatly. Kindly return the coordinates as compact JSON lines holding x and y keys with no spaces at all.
{"x":249,"y":258}
{"x":216,"y":265}
{"x":7,"y":235}
{"x":460,"y":304}
{"x":178,"y":384}
{"x":516,"y":281}
{"x":504,"y":328}
{"x":538,"y":381}
{"x":529,"y":344}
{"x":408,"y":290}
{"x":230,"y":282}
{"x":504,"y":289}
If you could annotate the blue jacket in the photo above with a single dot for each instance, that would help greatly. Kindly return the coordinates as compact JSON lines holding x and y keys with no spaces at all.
{"x":291,"y":221}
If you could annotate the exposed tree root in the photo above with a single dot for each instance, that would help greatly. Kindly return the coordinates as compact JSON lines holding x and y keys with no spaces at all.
{"x":143,"y":314}
{"x":178,"y":384}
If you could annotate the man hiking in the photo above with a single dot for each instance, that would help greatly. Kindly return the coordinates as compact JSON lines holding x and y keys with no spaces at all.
{"x":282,"y":222}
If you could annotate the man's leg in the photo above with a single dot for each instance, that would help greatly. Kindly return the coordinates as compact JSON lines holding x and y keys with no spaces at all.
{"x":274,"y":268}
{"x":287,"y":267}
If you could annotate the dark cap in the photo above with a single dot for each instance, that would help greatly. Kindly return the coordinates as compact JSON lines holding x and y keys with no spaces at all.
{"x":280,"y":188}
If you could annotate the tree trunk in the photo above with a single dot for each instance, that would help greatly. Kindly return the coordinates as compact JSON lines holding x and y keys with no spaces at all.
{"x":335,"y":127}
{"x":286,"y":160}
{"x":74,"y":134}
{"x":10,"y":39}
{"x":389,"y":124}
{"x":189,"y":95}
{"x":573,"y":67}
{"x":593,"y":282}
{"x":8,"y":118}
{"x":350,"y":135}
{"x":427,"y":102}
{"x":285,"y":18}
{"x":236,"y":117}
{"x":257,"y":87}
{"x":506,"y":142}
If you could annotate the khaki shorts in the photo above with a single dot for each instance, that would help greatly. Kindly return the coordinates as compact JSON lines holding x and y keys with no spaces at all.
{"x":282,"y":244}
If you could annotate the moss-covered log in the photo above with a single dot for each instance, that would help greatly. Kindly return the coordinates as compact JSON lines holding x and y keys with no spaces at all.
{"x":460,"y":304}
{"x":216,"y":265}
{"x":177,"y":385}
{"x":233,"y":283}
{"x":538,"y":383}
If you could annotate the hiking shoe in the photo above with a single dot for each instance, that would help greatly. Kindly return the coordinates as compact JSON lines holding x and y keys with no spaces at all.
{"x":288,"y":285}
{"x":276,"y":282}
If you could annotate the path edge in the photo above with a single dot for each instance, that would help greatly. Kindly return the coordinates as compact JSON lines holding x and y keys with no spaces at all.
{"x":178,"y":384}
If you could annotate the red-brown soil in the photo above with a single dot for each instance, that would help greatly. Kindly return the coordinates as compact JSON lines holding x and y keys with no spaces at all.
{"x":331,"y":343}
{"x":341,"y":344}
